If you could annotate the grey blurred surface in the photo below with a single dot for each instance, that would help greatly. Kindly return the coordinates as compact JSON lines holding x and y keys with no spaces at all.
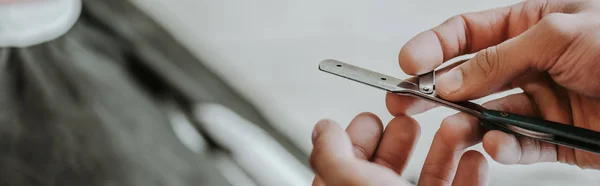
{"x":91,"y":107}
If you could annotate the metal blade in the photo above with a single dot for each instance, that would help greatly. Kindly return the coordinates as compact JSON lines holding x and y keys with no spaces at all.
{"x":366,"y":77}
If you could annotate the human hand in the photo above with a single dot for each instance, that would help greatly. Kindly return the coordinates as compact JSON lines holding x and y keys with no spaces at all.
{"x":366,"y":155}
{"x":548,"y":48}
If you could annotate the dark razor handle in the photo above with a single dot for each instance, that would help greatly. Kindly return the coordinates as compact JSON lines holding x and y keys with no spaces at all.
{"x":562,"y":134}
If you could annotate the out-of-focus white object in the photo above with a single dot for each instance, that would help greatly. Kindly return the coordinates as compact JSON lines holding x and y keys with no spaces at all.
{"x":190,"y":137}
{"x":29,"y":22}
{"x":258,"y":154}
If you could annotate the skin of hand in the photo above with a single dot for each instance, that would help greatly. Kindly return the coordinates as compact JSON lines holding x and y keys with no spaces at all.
{"x":365,"y":154}
{"x":548,"y":48}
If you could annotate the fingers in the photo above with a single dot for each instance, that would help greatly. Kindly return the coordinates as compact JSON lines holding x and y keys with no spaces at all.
{"x":365,"y":130}
{"x":472,"y":32}
{"x":537,"y":49}
{"x":507,"y":148}
{"x":503,"y":148}
{"x":472,"y":170}
{"x":461,"y":131}
{"x":456,"y":133}
{"x":334,"y":160}
{"x":332,"y":151}
{"x":453,"y":38}
{"x":397,"y":144}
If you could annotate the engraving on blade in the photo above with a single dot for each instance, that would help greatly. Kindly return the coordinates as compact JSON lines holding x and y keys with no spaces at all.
{"x":362,"y":75}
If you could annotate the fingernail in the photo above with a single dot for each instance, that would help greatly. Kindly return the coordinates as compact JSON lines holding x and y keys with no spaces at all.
{"x":450,"y":82}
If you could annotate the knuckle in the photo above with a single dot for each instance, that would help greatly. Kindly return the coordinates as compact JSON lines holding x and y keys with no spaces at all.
{"x":447,"y":123}
{"x":362,"y":152}
{"x":457,"y":18}
{"x":572,"y":6}
{"x":446,"y":133}
{"x":559,"y":26}
{"x":531,"y":151}
{"x":443,"y":137}
{"x":487,"y":62}
{"x":553,"y":21}
{"x":390,"y":160}
{"x":434,"y":172}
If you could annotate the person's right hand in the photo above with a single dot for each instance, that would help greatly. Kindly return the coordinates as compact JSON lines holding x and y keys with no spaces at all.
{"x":550,"y":49}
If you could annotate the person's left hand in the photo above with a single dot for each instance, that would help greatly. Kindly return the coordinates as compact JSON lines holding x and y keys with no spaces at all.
{"x":366,"y":155}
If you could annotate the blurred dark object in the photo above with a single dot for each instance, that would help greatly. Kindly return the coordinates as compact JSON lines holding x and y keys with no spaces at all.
{"x":88,"y":107}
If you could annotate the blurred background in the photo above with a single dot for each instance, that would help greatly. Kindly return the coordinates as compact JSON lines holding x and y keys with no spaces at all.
{"x":239,"y":83}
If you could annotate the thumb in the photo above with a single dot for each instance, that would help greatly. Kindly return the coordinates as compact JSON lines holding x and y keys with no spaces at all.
{"x":494,"y":68}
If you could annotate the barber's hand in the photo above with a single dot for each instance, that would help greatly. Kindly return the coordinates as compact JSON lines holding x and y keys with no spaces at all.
{"x":550,"y":49}
{"x":365,"y":155}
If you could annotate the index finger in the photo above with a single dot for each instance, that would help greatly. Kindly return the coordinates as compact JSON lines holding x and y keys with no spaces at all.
{"x":471,"y":32}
